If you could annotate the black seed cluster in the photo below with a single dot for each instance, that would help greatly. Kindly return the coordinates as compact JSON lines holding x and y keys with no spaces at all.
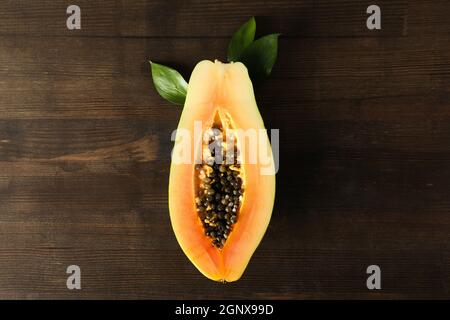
{"x":219,"y":197}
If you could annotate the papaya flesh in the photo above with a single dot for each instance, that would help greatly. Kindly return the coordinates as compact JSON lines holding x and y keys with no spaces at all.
{"x":221,"y":197}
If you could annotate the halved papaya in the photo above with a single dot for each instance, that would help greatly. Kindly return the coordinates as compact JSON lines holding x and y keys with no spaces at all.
{"x":221,"y":197}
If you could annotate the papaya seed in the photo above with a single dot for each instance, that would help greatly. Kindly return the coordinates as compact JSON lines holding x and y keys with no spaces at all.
{"x":219,"y":187}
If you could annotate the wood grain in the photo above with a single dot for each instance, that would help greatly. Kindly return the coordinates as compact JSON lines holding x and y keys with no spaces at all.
{"x":85,"y":146}
{"x":37,"y":73}
{"x":160,"y":18}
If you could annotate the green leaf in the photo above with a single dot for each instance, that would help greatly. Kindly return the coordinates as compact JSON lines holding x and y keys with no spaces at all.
{"x":169,"y":83}
{"x":241,"y":40}
{"x":260,"y":56}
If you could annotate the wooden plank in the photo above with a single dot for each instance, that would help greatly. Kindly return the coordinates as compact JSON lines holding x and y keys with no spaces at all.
{"x":160,"y":18}
{"x":73,"y":139}
{"x":376,"y":195}
{"x":46,"y":80}
{"x":142,"y":140}
{"x":166,"y":275}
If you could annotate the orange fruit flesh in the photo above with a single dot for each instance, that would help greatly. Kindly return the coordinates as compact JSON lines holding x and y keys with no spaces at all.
{"x":224,"y":90}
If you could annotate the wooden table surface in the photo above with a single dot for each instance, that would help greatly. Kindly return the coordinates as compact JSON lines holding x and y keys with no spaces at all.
{"x":364,"y":119}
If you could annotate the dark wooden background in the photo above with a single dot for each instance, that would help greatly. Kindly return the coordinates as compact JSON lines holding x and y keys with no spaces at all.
{"x":364,"y":119}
